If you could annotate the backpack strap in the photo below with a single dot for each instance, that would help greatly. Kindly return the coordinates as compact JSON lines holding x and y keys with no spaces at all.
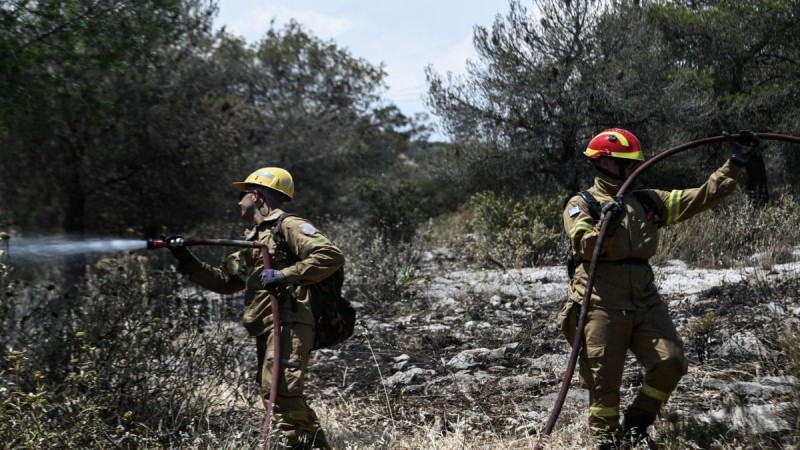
{"x":594,"y":212}
{"x":644,"y":197}
{"x":594,"y":205}
{"x":280,"y":242}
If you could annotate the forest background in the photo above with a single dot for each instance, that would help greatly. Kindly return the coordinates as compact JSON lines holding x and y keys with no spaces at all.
{"x":129,"y":119}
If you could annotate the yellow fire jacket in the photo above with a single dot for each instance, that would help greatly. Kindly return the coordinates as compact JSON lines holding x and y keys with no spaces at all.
{"x":624,"y":279}
{"x":314,"y":257}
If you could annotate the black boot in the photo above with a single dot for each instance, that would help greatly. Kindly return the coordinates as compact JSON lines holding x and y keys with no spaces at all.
{"x":320,"y":442}
{"x":607,"y":444}
{"x":634,"y":426}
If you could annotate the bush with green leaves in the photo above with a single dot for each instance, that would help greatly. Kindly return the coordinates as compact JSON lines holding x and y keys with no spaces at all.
{"x":378,"y":271}
{"x":134,"y":360}
{"x":522,"y":231}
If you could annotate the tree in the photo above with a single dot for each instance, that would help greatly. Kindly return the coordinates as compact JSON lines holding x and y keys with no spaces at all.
{"x":747,"y":52}
{"x":547,"y":81}
{"x":106,"y":105}
{"x":321,"y":116}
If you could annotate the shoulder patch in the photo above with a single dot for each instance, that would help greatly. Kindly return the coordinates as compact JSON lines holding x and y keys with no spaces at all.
{"x":308,"y":229}
{"x":574,"y":211}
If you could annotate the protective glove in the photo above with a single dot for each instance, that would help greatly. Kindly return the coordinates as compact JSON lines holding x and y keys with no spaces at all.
{"x":617,"y":211}
{"x":271,"y":278}
{"x":742,"y":146}
{"x":177,"y":246}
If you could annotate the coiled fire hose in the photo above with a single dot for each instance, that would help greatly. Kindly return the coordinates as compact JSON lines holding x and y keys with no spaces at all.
{"x":604,"y":223}
{"x":276,"y":317}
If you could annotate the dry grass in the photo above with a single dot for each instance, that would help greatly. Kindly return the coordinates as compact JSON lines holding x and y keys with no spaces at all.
{"x":359,"y":426}
{"x":735,"y":234}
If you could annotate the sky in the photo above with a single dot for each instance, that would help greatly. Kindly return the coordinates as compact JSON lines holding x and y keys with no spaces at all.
{"x":403,"y":35}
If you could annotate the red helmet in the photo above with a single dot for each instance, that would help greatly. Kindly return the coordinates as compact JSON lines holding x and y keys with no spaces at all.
{"x":616,"y":143}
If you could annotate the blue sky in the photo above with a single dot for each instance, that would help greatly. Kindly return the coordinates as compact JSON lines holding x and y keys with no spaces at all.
{"x":404,"y":35}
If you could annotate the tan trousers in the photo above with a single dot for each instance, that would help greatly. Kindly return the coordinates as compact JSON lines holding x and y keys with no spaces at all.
{"x":650,"y":334}
{"x":291,"y":416}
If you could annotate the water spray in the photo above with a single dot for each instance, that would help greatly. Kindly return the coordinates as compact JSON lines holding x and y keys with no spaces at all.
{"x":38,"y":248}
{"x":48,"y":247}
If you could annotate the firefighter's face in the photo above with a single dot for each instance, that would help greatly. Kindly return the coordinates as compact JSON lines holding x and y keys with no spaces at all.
{"x":622,"y":168}
{"x":247,"y":203}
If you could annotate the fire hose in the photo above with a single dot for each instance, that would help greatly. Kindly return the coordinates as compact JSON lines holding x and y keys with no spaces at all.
{"x":276,"y":318}
{"x":604,"y":224}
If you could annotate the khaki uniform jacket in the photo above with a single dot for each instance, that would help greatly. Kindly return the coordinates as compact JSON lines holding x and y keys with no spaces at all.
{"x":624,"y":285}
{"x":316,"y":258}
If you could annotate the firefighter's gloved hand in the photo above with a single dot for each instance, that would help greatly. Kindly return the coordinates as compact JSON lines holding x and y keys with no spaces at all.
{"x":271,"y":278}
{"x":742,"y":146}
{"x":177,"y":246}
{"x":617,"y":210}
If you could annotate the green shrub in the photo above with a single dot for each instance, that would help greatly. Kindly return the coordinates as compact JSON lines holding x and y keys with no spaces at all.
{"x":129,"y":363}
{"x":515,"y":232}
{"x":397,"y":211}
{"x":378,"y":271}
{"x":394,"y":211}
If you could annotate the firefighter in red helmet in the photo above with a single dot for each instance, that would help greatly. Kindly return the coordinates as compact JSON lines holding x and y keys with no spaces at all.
{"x":626,"y":311}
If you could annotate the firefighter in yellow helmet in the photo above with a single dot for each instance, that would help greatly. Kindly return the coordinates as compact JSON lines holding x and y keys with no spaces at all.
{"x":313,"y":257}
{"x":626,"y":311}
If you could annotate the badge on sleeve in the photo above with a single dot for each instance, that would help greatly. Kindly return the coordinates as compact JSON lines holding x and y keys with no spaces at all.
{"x":574,"y":211}
{"x":308,"y":229}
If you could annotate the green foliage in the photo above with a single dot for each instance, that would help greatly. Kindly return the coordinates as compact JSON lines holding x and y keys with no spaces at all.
{"x":548,"y":79}
{"x":395,"y":212}
{"x":134,"y":363}
{"x":398,"y":210}
{"x":119,"y":102}
{"x":322,"y":116}
{"x":379,"y":273}
{"x":515,"y":232}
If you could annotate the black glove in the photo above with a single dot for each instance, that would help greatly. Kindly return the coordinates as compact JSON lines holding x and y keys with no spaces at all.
{"x":742,"y":146}
{"x":177,"y":246}
{"x":617,"y":211}
{"x":272,"y":277}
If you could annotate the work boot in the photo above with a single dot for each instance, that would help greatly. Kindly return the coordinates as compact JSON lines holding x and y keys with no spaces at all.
{"x":319,"y":441}
{"x":608,"y":442}
{"x":634,"y":426}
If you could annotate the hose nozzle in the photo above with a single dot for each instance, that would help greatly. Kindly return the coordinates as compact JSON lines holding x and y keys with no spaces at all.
{"x":153,"y":244}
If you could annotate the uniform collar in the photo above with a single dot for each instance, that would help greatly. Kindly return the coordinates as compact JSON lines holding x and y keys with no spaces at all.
{"x":606,"y":186}
{"x":266,"y":223}
{"x":274,"y":215}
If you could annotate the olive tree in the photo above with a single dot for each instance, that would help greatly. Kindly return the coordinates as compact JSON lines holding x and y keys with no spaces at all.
{"x":106,"y":108}
{"x":747,"y":53}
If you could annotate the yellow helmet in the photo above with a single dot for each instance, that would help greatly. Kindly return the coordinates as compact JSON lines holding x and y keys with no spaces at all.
{"x":273,"y":178}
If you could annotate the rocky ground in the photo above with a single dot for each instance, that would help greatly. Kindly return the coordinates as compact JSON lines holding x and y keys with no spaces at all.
{"x":480,"y":347}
